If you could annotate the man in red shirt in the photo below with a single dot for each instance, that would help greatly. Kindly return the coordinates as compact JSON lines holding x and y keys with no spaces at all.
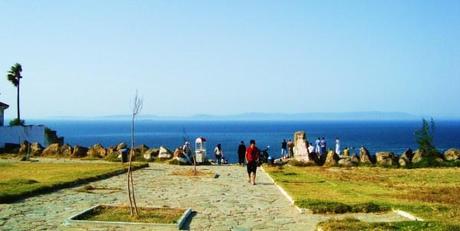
{"x":252,"y":157}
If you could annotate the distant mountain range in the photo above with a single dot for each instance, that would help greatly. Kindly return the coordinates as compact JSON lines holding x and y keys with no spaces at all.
{"x":371,"y":115}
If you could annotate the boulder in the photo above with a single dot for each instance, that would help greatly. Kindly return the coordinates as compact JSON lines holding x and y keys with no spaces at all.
{"x":331,"y":159}
{"x":52,"y":150}
{"x":112,"y":151}
{"x":97,"y":151}
{"x":346,"y":162}
{"x":121,"y":146}
{"x":407,"y":155}
{"x":355,"y":160}
{"x":141,"y":148}
{"x":36,"y":149}
{"x":164,"y":153}
{"x":179,"y":153}
{"x":66,"y":150}
{"x":452,"y":154}
{"x":346,"y":152}
{"x":364,"y":156}
{"x":151,"y":154}
{"x":24,"y":148}
{"x":403,"y":162}
{"x":386,"y":158}
{"x":418,"y":156}
{"x":79,"y":152}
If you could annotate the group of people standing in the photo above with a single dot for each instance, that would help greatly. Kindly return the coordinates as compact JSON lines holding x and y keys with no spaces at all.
{"x":320,"y":147}
{"x":287,"y":148}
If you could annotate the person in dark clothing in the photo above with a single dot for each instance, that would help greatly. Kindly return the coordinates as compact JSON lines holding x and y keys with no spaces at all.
{"x":252,"y":157}
{"x":241,"y":152}
{"x":284,"y":151}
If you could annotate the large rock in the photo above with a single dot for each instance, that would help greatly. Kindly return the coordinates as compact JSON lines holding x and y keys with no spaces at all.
{"x":418,"y":156}
{"x":354,"y":159}
{"x":300,"y":146}
{"x":364,"y":156}
{"x":179,"y":153}
{"x":346,"y":162}
{"x":141,"y":148}
{"x":452,"y":154}
{"x":408,"y":154}
{"x":164,"y":153}
{"x":151,"y":154}
{"x":79,"y":152}
{"x":24,"y":148}
{"x":386,"y":158}
{"x":403,"y":162}
{"x":36,"y":149}
{"x":121,"y":146}
{"x":346,"y":152}
{"x":97,"y":151}
{"x":66,"y":150}
{"x":331,"y":159}
{"x":52,"y":150}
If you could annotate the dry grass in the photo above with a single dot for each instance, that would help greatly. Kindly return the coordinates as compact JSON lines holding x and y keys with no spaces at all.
{"x":192,"y":173}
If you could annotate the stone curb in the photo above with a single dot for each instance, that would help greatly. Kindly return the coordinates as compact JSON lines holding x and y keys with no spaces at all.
{"x":407,"y":215}
{"x":73,"y":220}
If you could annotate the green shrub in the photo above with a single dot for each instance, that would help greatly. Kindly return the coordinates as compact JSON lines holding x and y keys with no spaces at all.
{"x":17,"y":122}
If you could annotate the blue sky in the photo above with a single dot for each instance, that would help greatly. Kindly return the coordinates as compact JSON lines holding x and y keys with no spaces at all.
{"x":87,"y":58}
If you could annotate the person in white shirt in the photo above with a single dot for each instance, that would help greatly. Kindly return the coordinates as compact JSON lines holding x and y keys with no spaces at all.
{"x":337,"y":146}
{"x":311,"y":148}
{"x":317,"y":148}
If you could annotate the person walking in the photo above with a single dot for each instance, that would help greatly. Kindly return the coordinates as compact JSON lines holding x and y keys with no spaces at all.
{"x":284,"y":151}
{"x":317,"y":147}
{"x":337,"y":146}
{"x":323,"y":146}
{"x":219,"y":153}
{"x":241,"y":153}
{"x":252,"y":157}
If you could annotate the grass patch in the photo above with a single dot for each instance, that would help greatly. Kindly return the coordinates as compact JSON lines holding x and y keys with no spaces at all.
{"x":23,"y":179}
{"x":317,"y":206}
{"x":146,"y":215}
{"x":352,"y":224}
{"x":429,"y":193}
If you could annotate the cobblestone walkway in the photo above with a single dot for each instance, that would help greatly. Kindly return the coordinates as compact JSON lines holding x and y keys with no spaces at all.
{"x":224,"y":203}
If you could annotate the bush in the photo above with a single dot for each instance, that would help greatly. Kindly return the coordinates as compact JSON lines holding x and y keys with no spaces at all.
{"x":17,"y":122}
{"x":424,"y":138}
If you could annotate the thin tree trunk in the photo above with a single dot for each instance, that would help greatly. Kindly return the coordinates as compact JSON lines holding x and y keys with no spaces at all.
{"x":129,"y":185}
{"x":19,"y":113}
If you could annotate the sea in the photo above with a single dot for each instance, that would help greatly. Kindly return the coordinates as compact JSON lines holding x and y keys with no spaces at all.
{"x":393,"y":136}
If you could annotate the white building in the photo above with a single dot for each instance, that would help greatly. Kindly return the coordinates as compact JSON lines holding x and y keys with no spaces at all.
{"x":3,"y":107}
{"x":19,"y":134}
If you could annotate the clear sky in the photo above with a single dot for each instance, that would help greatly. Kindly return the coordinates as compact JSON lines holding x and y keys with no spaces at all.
{"x":87,"y":58}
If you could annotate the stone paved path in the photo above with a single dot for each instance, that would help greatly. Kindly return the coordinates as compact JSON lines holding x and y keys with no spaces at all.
{"x":224,"y":203}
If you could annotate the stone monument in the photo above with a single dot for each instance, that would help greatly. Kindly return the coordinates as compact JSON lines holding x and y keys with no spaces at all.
{"x":300,"y":146}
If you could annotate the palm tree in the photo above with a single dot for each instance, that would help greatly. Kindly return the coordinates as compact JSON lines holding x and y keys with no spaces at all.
{"x":14,"y":76}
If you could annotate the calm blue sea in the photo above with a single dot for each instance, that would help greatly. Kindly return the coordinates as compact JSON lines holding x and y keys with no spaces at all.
{"x":376,"y":136}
